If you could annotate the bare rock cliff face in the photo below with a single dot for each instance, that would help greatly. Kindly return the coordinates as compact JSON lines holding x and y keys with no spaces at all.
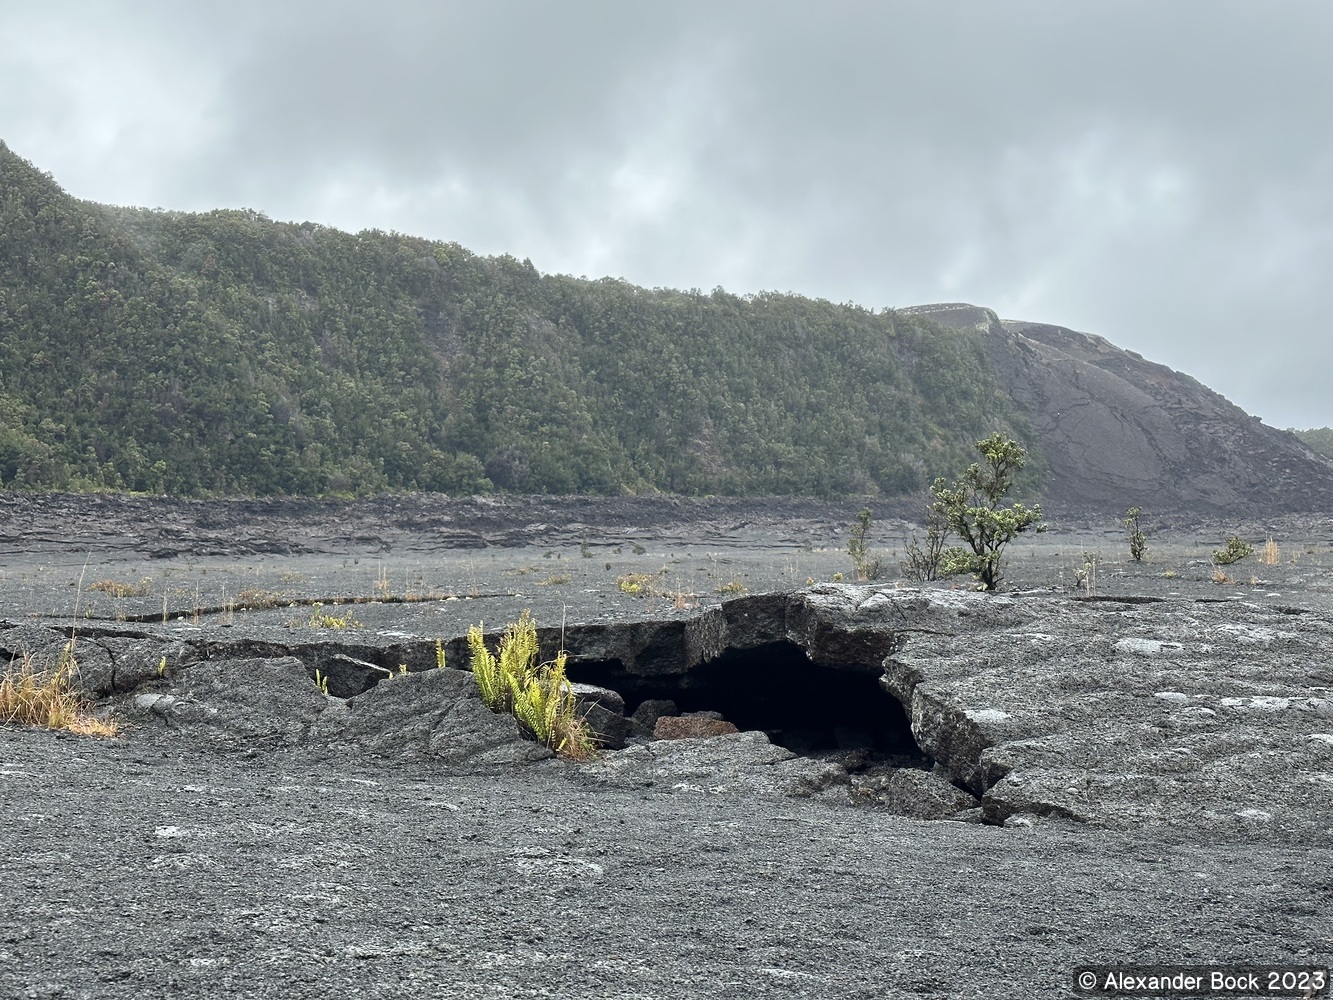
{"x":1119,"y":431}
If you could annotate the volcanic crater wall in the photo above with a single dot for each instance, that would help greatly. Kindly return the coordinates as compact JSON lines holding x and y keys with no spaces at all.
{"x":1118,"y":431}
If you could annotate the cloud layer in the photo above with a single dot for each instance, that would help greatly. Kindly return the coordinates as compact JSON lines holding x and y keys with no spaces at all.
{"x":1156,"y":173}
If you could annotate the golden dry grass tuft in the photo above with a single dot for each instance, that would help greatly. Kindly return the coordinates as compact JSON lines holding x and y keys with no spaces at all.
{"x":123,"y":588}
{"x":47,"y":698}
{"x":1272,"y":555}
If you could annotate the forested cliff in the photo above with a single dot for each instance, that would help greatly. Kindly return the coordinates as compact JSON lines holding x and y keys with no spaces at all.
{"x":225,"y":353}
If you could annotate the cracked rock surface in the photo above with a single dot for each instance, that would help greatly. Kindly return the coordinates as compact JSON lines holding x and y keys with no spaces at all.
{"x":1115,"y":780}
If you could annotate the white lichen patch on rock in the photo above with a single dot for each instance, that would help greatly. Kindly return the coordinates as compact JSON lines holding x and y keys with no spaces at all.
{"x":1145,"y":647}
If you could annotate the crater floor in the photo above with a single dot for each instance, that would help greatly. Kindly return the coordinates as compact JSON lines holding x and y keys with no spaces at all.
{"x":1137,"y":757}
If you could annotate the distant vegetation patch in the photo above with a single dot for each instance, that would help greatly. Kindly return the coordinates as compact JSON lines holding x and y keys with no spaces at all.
{"x":225,"y":353}
{"x":1318,"y":439}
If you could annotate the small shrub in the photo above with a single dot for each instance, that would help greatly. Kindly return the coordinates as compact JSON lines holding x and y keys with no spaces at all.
{"x":555,"y":579}
{"x":732,"y":588}
{"x":1236,"y":549}
{"x":923,"y":562}
{"x":637,"y":584}
{"x":971,"y":507}
{"x":32,"y":697}
{"x":1138,"y":541}
{"x":866,"y":566}
{"x":1220,"y":576}
{"x":538,"y":695}
{"x":1085,"y":576}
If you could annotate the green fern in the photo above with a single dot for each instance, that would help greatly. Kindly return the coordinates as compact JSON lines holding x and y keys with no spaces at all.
{"x":538,"y":695}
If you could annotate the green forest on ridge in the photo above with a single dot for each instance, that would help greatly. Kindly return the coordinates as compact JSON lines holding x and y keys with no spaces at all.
{"x":224,"y":353}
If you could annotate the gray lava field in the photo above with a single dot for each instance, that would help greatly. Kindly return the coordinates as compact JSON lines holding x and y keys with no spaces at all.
{"x":928,"y":792}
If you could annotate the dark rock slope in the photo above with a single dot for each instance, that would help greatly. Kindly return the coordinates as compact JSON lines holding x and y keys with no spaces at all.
{"x":1117,"y":430}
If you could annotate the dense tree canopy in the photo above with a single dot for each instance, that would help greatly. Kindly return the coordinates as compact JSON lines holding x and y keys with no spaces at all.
{"x":227,"y":353}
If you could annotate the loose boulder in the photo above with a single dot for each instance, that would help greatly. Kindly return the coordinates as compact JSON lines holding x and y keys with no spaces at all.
{"x":685,"y":727}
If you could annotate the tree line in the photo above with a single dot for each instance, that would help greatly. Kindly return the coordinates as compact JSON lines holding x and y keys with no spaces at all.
{"x":225,"y":353}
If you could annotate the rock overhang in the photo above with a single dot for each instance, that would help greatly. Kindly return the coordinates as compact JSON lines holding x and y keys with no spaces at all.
{"x":1115,"y":713}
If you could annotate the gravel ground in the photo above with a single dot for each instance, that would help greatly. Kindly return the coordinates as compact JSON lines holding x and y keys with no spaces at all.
{"x":143,"y":868}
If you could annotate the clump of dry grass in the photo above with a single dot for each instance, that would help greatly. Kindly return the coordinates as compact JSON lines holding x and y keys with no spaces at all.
{"x":258,"y":599}
{"x":1272,"y":555}
{"x":33,"y":697}
{"x":123,"y":588}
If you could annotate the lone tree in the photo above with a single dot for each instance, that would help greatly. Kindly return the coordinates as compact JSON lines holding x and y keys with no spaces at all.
{"x":867,"y":567}
{"x":971,"y":509}
{"x":1138,"y":541}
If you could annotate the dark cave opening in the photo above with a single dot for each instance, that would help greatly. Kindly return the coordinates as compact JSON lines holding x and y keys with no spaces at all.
{"x":806,"y":707}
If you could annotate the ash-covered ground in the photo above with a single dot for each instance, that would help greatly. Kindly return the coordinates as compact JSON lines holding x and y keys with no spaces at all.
{"x":192,"y":861}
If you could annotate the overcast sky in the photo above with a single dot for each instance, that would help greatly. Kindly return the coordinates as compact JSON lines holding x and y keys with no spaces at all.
{"x":1160,"y":173}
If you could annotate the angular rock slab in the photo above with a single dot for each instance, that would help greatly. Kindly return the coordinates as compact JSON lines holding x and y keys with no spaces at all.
{"x":270,"y":703}
{"x":1183,"y":713}
{"x":242,"y":703}
{"x":431,"y":713}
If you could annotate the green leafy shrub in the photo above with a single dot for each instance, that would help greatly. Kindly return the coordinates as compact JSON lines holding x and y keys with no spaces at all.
{"x":1235,"y":550}
{"x":537,"y":694}
{"x":971,"y":510}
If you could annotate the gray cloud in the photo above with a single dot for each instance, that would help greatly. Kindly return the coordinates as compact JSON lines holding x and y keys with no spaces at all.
{"x":1156,"y":173}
